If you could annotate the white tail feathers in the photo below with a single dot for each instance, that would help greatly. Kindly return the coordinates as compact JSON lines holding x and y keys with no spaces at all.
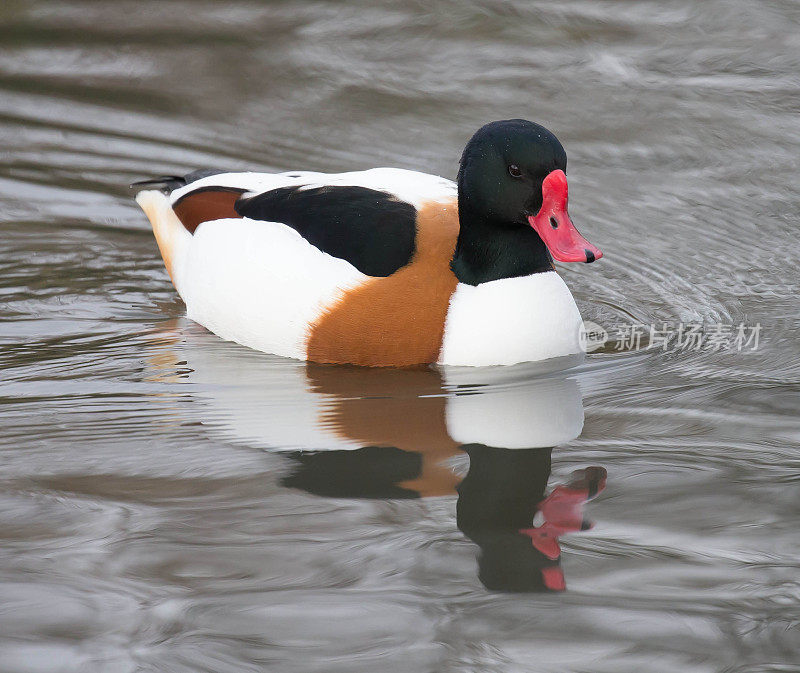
{"x":171,"y":236}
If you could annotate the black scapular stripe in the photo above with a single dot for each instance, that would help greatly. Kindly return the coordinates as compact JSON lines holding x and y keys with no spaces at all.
{"x":370,"y":229}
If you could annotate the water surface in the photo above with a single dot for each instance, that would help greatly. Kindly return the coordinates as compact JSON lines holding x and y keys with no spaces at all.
{"x":173,"y":502}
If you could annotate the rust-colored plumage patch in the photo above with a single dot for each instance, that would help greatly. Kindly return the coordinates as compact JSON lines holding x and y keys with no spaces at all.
{"x":397,"y":321}
{"x":403,"y":408}
{"x":204,"y":205}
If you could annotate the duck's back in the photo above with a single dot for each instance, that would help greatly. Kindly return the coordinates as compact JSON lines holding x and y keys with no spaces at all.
{"x":346,"y":268}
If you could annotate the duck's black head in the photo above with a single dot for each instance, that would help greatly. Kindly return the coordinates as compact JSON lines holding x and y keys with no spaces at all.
{"x":512,"y":199}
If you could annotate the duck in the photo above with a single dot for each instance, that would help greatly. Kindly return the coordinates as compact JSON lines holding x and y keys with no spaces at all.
{"x":385,"y":267}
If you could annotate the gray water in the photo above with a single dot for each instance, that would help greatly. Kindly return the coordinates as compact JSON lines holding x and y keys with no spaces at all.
{"x":169,"y":501}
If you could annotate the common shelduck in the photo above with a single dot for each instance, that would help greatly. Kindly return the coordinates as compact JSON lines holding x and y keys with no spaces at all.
{"x":383,"y":267}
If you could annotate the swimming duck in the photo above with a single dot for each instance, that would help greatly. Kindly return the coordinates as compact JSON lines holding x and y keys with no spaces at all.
{"x":382,"y":267}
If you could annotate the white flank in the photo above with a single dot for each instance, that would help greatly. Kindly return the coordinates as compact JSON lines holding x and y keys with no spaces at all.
{"x":411,"y":186}
{"x":512,"y":320}
{"x":260,"y":284}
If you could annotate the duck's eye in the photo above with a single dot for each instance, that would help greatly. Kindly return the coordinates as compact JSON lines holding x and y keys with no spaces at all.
{"x":514,"y":171}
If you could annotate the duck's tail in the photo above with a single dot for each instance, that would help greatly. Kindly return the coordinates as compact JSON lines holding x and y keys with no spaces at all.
{"x":172,"y":237}
{"x":169,"y":183}
{"x":164,"y":183}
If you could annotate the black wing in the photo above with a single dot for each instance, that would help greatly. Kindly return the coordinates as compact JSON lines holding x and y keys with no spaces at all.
{"x":371,"y":229}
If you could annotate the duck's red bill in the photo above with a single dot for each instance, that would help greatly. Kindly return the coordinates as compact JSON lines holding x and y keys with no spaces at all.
{"x":555,"y":227}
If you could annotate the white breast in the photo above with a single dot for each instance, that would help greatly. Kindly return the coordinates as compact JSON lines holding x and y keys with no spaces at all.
{"x":511,"y":320}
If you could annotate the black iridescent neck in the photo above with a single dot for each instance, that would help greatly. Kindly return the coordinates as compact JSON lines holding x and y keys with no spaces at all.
{"x":487,"y":250}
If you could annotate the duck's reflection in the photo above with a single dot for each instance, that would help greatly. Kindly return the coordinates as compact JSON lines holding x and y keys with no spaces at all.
{"x":498,"y":501}
{"x":370,"y":433}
